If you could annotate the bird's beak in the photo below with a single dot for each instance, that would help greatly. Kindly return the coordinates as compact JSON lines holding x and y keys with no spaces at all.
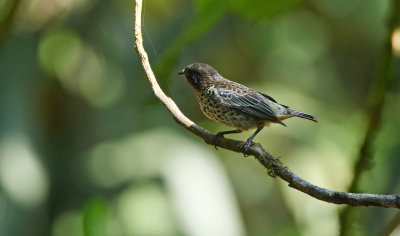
{"x":182,"y":72}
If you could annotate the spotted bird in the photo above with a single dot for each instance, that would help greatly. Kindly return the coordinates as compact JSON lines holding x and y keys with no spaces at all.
{"x":234,"y":104}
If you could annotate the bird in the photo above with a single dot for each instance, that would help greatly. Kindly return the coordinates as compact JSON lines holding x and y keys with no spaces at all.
{"x":234,"y":104}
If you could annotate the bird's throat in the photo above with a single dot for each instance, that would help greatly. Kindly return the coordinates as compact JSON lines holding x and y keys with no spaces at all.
{"x":195,"y":87}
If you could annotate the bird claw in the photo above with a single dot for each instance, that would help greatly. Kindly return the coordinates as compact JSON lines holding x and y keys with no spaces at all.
{"x":216,"y":138}
{"x":245,"y":147}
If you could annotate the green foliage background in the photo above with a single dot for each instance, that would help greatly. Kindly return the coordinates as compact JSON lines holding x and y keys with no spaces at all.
{"x":86,"y":149}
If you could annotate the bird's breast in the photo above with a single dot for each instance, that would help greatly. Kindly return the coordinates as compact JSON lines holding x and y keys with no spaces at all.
{"x":212,"y":108}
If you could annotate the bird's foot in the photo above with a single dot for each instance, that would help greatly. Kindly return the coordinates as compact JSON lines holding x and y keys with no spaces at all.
{"x":245,"y":147}
{"x":216,"y":138}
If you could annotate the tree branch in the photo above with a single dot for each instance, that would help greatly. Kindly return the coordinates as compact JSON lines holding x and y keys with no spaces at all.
{"x":274,"y":166}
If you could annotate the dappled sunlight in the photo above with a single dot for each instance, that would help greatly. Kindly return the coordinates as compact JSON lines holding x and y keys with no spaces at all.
{"x":22,"y":175}
{"x":35,"y":14}
{"x":113,"y":163}
{"x":325,"y":165}
{"x":80,"y":69}
{"x":59,"y":54}
{"x":396,"y":42}
{"x":209,"y":208}
{"x":145,"y":210}
{"x":68,"y":224}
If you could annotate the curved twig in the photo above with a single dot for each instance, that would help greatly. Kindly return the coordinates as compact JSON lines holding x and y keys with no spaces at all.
{"x":274,"y":166}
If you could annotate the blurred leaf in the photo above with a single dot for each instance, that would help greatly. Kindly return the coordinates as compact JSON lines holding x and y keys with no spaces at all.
{"x":95,"y":218}
{"x":338,"y":8}
{"x":100,"y":83}
{"x":145,"y":209}
{"x":7,"y":11}
{"x":261,"y":9}
{"x":59,"y":52}
{"x":68,"y":224}
{"x":207,"y":6}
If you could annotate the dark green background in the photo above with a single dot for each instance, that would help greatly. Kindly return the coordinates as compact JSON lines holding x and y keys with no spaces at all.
{"x":86,"y":149}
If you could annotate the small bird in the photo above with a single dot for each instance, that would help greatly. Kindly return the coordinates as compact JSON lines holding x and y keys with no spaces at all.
{"x":234,"y":104}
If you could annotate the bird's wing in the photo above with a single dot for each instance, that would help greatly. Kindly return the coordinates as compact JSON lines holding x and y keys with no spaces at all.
{"x":267,"y":96}
{"x":272,"y":99}
{"x":250,"y":102}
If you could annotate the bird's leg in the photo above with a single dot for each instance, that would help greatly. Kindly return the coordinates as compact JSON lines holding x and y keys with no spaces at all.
{"x":221,"y":135}
{"x":248,"y":142}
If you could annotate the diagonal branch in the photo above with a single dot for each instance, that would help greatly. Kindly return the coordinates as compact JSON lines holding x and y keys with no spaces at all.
{"x":274,"y":166}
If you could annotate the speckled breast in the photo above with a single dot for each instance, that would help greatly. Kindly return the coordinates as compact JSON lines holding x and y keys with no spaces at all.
{"x":225,"y":115}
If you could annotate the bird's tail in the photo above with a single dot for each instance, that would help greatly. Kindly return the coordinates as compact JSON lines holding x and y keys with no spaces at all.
{"x":302,"y":115}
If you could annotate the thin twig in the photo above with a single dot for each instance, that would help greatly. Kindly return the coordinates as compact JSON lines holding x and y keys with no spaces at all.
{"x":274,"y":166}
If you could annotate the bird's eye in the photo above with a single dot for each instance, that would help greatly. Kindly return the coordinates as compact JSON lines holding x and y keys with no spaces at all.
{"x":194,"y":78}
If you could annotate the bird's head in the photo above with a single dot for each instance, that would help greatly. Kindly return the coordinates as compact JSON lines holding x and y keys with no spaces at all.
{"x":199,"y":75}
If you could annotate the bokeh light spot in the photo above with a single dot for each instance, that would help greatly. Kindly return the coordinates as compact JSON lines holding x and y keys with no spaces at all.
{"x":100,"y":84}
{"x":68,"y":224}
{"x":396,"y":42}
{"x":144,"y":210}
{"x":59,"y":53}
{"x":21,"y":174}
